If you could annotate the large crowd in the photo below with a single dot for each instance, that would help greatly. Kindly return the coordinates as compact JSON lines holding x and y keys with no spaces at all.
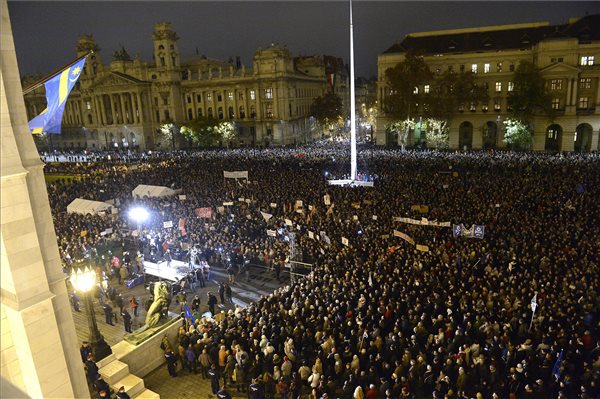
{"x":379,"y":317}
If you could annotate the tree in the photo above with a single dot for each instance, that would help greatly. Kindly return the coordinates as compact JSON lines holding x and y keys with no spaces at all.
{"x":516,"y":134}
{"x":529,"y":96}
{"x":226,"y":132}
{"x":200,"y":131}
{"x":403,"y":81}
{"x":327,"y":109}
{"x":437,"y":133}
{"x":451,"y":90}
{"x":402,"y":128}
{"x":167,"y":132}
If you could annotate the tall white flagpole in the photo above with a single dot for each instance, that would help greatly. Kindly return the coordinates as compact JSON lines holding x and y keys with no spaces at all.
{"x":352,"y":105}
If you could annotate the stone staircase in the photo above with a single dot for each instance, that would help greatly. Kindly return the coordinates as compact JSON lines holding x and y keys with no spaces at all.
{"x":116,"y":374}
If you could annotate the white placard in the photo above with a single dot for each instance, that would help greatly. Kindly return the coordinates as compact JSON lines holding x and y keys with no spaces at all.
{"x":168,"y":224}
{"x":288,"y":222}
{"x":345,"y":241}
{"x":273,"y":205}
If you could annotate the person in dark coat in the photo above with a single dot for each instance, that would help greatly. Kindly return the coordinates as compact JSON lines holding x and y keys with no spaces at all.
{"x":108,"y":313}
{"x":222,"y":293}
{"x":92,"y":369}
{"x":223,"y":394}
{"x":101,"y":385}
{"x":121,"y":394}
{"x":255,"y":390}
{"x":126,"y":320}
{"x":214,"y":376}
{"x":171,"y":363}
{"x":212,"y":301}
{"x":85,"y":350}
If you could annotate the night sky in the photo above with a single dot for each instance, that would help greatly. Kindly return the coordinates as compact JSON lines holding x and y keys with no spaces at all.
{"x":46,"y":32}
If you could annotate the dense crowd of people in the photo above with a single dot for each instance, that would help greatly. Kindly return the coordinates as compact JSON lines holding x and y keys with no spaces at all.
{"x":379,"y":317}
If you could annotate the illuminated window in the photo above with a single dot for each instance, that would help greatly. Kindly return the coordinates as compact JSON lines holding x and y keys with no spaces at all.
{"x":230,"y":96}
{"x":252,"y":95}
{"x":498,"y":87}
{"x":584,"y":83}
{"x":472,"y":107}
{"x":269,"y":110}
{"x":426,"y":89}
{"x":269,"y":93}
{"x":556,"y":103}
{"x":496,"y":104}
{"x":556,"y":84}
{"x":88,"y":105}
{"x":583,"y":102}
{"x":511,"y":86}
{"x":208,"y":96}
{"x":587,"y":60}
{"x":499,"y":67}
{"x":474,"y":68}
{"x":416,"y":90}
{"x":486,"y":68}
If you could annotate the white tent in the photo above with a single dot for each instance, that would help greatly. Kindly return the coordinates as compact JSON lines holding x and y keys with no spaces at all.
{"x":144,"y":190}
{"x":83,"y":206}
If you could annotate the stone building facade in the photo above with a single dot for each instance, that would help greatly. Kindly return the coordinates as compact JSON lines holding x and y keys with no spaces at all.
{"x":568,"y":56}
{"x":124,"y":104}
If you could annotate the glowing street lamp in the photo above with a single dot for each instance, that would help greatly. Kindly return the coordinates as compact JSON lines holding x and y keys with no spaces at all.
{"x":139,"y":215}
{"x":84,"y":280}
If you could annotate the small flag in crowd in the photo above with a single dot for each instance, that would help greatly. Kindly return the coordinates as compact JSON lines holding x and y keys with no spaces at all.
{"x":478,"y":231}
{"x":266,"y":216}
{"x":189,"y":314}
{"x":457,"y":230}
{"x":557,"y":364}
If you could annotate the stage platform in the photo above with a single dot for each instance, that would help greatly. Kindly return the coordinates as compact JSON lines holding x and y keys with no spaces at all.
{"x":173,"y":272}
{"x":351,"y":183}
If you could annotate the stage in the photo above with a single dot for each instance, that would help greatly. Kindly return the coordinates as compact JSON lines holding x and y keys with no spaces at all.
{"x":174,"y":273}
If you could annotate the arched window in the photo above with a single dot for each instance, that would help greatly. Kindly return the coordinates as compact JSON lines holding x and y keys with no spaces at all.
{"x":230,"y":112}
{"x":465,"y":135}
{"x":210,"y":112}
{"x":252,"y":111}
{"x":161,"y":47}
{"x":242,"y":112}
{"x":199,"y":112}
{"x":220,"y":112}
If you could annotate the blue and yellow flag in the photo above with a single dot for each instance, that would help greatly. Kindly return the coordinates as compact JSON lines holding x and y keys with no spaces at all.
{"x":57,"y":91}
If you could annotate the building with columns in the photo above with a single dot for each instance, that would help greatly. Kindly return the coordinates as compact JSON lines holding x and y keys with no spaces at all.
{"x":125,"y":103}
{"x":568,"y":56}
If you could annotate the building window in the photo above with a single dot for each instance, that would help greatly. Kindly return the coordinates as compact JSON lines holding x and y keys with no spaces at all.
{"x":554,"y":60}
{"x":556,"y":103}
{"x":230,"y":95}
{"x":583,"y":102}
{"x":498,"y":87}
{"x":252,"y":95}
{"x":240,"y":95}
{"x":584,"y":83}
{"x":426,"y":89}
{"x":199,"y":98}
{"x":474,"y":68}
{"x":496,"y":104}
{"x":199,"y":112}
{"x":162,"y":61}
{"x":511,"y":86}
{"x":242,"y":112}
{"x":484,"y":108}
{"x":208,"y":96}
{"x":252,"y":111}
{"x":220,"y":111}
{"x":153,"y":76}
{"x":167,"y":115}
{"x":462,"y":67}
{"x":174,"y":60}
{"x":88,"y":105}
{"x":416,"y":90}
{"x":511,"y":67}
{"x":166,"y":101}
{"x":230,"y":112}
{"x":587,"y":60}
{"x":499,"y":67}
{"x":189,"y":99}
{"x":556,"y":84}
{"x":190,"y":114}
{"x":219,"y":97}
{"x":269,"y":110}
{"x":486,"y":68}
{"x":450,"y":68}
{"x":209,"y":112}
{"x":472,"y":107}
{"x":269,"y":93}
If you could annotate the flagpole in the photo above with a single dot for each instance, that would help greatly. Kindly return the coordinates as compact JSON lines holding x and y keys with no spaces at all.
{"x":52,"y":74}
{"x":352,"y":104}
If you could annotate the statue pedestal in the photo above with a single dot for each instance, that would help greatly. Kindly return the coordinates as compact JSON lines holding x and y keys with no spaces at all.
{"x":142,"y":353}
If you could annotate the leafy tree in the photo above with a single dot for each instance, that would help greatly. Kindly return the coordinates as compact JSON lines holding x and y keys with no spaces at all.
{"x":437,"y":133}
{"x":529,"y":96}
{"x":516,"y":134}
{"x":402,"y":81}
{"x":327,"y":109}
{"x":451,"y":90}
{"x":226,"y":132}
{"x":200,"y":131}
{"x":167,"y":133}
{"x":402,"y":128}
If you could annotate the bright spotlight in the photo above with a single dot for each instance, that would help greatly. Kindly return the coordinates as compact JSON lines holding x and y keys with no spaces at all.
{"x":138,"y":214}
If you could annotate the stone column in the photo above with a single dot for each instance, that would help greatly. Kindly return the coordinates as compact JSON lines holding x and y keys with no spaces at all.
{"x":124,"y":118}
{"x":103,"y":110}
{"x":139,"y":107}
{"x":112,"y":109}
{"x":38,"y":343}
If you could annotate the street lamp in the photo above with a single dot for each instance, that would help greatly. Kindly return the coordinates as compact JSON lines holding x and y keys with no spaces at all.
{"x":84,"y":280}
{"x":139,"y":215}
